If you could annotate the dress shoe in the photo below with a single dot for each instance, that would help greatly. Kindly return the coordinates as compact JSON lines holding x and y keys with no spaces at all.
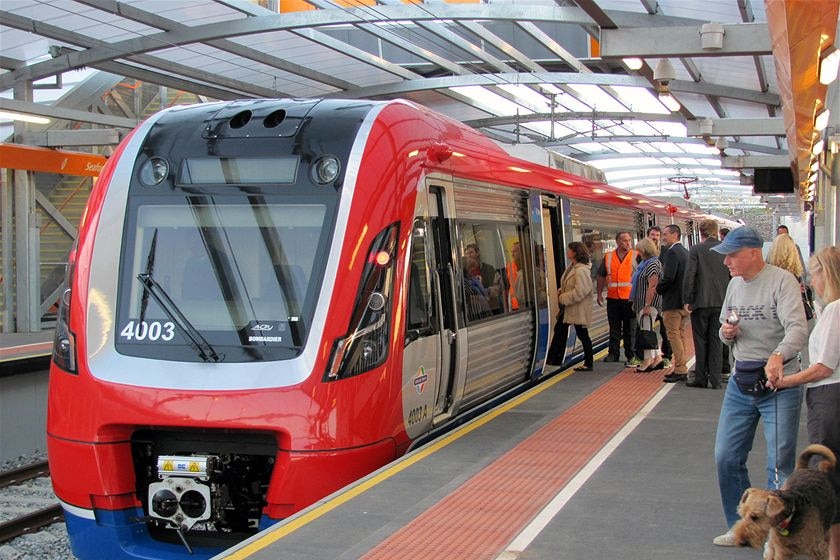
{"x":652,"y":367}
{"x":583,"y":368}
{"x":611,"y":358}
{"x":697,"y":384}
{"x":674,"y":377}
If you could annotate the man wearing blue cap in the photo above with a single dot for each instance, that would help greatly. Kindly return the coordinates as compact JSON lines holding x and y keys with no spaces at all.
{"x":763,"y":322}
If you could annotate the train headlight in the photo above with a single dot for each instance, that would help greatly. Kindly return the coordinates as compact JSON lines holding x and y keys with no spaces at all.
{"x":365,"y":346}
{"x":154,"y":171}
{"x":326,"y":170}
{"x":64,"y":347}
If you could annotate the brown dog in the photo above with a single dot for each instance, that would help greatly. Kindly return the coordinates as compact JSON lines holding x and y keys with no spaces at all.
{"x":797,"y":517}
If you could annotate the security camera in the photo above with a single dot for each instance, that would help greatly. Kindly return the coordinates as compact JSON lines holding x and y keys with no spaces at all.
{"x":664,"y":72}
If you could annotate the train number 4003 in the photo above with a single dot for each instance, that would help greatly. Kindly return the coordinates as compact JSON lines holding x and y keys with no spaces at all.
{"x":148,"y":330}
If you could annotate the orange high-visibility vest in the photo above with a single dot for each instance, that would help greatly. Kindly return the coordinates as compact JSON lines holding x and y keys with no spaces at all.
{"x":619,"y":275}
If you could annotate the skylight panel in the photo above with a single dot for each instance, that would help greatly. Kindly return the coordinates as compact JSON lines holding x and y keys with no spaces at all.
{"x":624,"y":147}
{"x":637,"y":173}
{"x":598,"y":98}
{"x":640,"y":100}
{"x":607,"y":164}
{"x":491,"y":102}
{"x":539,"y":103}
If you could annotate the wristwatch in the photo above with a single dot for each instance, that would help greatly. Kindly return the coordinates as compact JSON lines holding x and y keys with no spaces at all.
{"x":779,"y":354}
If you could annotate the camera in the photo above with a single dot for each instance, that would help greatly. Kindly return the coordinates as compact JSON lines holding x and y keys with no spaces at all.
{"x":664,"y":72}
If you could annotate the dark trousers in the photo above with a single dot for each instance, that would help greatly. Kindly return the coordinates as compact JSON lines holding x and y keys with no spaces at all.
{"x":558,"y":344}
{"x":726,"y":367}
{"x":622,"y":326}
{"x":708,"y":351}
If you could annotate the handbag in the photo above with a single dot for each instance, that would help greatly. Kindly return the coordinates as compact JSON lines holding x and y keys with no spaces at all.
{"x":750,"y":377}
{"x":646,"y":339}
{"x":808,"y":303}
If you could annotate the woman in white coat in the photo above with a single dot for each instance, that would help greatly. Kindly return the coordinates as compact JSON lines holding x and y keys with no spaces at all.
{"x":575,"y":298}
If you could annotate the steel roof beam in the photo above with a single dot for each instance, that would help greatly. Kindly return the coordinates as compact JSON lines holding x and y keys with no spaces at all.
{"x":285,"y":22}
{"x":74,"y":138}
{"x":559,"y":117}
{"x":656,"y":155}
{"x":737,"y":127}
{"x":751,"y":162}
{"x":66,"y":114}
{"x":740,"y":39}
{"x":65,"y":60}
{"x":154,"y":20}
{"x":583,"y":139}
{"x":560,"y":78}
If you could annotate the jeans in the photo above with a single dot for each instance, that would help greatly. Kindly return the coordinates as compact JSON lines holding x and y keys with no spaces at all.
{"x":734,"y":440}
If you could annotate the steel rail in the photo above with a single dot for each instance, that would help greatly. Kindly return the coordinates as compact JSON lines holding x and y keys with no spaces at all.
{"x":26,"y":472}
{"x":30,"y":522}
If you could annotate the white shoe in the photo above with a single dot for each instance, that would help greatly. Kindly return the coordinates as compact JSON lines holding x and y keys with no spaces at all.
{"x":726,"y":539}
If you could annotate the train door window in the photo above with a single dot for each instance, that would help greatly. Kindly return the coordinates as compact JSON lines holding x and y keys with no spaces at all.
{"x":518,"y":272}
{"x":482,"y":269}
{"x":421,"y":311}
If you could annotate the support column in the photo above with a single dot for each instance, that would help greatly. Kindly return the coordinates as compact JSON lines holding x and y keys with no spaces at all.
{"x":27,"y":256}
{"x":6,"y":232}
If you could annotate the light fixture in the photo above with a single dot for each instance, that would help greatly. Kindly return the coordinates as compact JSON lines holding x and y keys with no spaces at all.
{"x":816,"y":149}
{"x":669,"y":101}
{"x":24,"y":117}
{"x":633,"y":63}
{"x":821,"y":120}
{"x":829,"y":62}
{"x":711,"y":36}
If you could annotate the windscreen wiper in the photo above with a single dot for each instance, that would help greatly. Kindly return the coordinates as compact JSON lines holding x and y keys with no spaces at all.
{"x":197,"y":342}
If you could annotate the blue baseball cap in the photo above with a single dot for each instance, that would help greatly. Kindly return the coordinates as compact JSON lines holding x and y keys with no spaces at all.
{"x":738,"y":239}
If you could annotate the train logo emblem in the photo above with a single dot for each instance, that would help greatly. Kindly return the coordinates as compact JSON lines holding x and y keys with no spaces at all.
{"x":420,"y":379}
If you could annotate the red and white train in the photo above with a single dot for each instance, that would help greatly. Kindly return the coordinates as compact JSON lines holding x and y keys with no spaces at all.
{"x":267,"y":301}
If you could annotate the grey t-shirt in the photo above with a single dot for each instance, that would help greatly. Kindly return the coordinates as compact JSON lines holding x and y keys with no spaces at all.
{"x":772,"y":317}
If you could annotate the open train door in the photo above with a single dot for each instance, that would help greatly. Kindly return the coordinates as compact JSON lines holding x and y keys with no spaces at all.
{"x":430,"y":354}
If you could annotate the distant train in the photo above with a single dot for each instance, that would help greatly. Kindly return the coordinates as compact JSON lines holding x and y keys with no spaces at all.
{"x":268,"y":301}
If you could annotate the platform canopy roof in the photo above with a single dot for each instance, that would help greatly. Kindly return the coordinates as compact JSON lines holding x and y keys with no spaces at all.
{"x":669,"y":97}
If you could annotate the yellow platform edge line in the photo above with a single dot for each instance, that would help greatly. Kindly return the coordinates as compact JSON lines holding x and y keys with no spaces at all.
{"x":387,"y":472}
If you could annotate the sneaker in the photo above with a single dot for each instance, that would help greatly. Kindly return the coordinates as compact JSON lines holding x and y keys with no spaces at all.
{"x":666,"y":363}
{"x":726,"y":539}
{"x":632,"y":362}
{"x":611,"y":358}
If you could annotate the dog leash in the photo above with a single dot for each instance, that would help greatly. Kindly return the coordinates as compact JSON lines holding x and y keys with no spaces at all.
{"x":776,"y":428}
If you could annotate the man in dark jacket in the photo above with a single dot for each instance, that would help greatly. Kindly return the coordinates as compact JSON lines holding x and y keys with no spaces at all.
{"x":704,"y":288}
{"x":670,"y":286}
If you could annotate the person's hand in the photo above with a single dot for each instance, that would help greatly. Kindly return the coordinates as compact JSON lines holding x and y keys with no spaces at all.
{"x":646,"y":310}
{"x":687,"y":307}
{"x":600,"y":300}
{"x":775,"y":369}
{"x":730,"y":332}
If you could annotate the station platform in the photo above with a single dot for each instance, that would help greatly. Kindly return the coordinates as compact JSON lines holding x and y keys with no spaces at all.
{"x":605,"y":464}
{"x":24,"y":346}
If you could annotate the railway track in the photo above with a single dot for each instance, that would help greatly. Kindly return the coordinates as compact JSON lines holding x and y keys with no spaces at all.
{"x":28,"y":500}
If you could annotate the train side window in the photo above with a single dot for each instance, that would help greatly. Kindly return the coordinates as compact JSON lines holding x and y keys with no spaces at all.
{"x":420,"y":311}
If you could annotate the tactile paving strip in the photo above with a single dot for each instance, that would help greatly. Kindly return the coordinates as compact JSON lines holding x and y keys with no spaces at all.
{"x":479,"y":519}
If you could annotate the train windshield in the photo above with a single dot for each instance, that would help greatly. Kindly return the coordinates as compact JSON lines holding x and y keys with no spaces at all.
{"x":220,"y":281}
